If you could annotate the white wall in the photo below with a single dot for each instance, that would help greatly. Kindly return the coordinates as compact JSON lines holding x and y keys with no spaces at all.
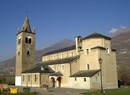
{"x":79,"y":83}
{"x":17,"y":80}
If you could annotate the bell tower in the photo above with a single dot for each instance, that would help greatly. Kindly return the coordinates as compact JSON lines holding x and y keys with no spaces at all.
{"x":25,"y":50}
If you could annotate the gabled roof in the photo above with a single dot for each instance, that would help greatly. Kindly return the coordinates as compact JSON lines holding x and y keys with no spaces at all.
{"x":56,"y":74}
{"x":96,"y":35}
{"x":61,"y":61}
{"x":37,"y":69}
{"x":26,"y":25}
{"x":85,"y":73}
{"x":61,"y":50}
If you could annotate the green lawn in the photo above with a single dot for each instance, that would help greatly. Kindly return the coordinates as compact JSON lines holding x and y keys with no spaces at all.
{"x":121,"y":91}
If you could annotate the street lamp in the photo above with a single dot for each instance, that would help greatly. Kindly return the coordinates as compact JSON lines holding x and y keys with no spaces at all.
{"x":100,"y":62}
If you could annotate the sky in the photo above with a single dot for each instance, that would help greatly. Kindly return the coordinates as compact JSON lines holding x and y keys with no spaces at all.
{"x":55,"y":20}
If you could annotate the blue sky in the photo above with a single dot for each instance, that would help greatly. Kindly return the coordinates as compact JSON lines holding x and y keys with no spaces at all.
{"x":55,"y":20}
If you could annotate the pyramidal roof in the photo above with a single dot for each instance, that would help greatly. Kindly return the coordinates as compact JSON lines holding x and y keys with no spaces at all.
{"x":97,"y":35}
{"x":26,"y":25}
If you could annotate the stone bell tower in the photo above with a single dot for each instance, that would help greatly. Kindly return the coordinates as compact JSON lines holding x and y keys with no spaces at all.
{"x":25,"y":50}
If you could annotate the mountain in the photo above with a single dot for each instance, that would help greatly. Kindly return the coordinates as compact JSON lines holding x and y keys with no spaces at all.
{"x":61,"y":44}
{"x":121,"y":42}
{"x":8,"y":66}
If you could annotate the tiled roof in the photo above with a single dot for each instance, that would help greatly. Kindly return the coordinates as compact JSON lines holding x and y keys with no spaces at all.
{"x":113,"y":49}
{"x":56,"y":74}
{"x":85,"y":73}
{"x":100,"y":47}
{"x":37,"y":69}
{"x":97,"y":35}
{"x":61,"y":50}
{"x":61,"y":61}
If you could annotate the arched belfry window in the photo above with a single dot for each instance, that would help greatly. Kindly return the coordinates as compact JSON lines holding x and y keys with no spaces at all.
{"x":19,"y":40}
{"x":28,"y":39}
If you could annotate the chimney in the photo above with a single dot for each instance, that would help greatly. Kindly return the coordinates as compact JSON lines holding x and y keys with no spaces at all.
{"x":42,"y":68}
{"x":78,"y":43}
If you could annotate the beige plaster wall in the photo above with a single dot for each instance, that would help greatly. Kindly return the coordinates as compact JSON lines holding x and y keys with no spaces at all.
{"x":79,"y":83}
{"x":31,"y":82}
{"x":60,"y":55}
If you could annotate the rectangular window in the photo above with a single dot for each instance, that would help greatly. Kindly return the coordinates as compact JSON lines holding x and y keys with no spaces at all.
{"x":72,"y":53}
{"x":62,"y":67}
{"x":35,"y":78}
{"x":75,"y":79}
{"x":84,"y":79}
{"x":62,"y":55}
{"x":53,"y":57}
{"x":23,"y":77}
{"x":28,"y":77}
{"x":87,"y":51}
{"x":87,"y":67}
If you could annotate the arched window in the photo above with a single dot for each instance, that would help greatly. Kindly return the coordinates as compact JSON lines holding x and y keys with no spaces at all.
{"x":18,"y":52}
{"x":26,"y":40}
{"x":19,"y":40}
{"x":28,"y":53}
{"x":29,"y":40}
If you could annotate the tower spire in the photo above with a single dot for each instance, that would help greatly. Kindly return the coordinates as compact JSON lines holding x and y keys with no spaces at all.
{"x":26,"y":25}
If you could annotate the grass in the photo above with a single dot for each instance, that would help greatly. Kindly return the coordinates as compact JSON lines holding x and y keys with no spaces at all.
{"x":19,"y":94}
{"x":121,"y":91}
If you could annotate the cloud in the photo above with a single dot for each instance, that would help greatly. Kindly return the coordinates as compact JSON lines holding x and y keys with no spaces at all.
{"x":114,"y":30}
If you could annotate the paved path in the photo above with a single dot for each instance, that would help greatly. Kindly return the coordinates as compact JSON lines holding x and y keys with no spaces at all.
{"x":55,"y":91}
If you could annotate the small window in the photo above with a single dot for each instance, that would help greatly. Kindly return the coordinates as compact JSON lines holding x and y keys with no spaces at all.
{"x":18,"y":53}
{"x":23,"y":77}
{"x":62,"y":55}
{"x":62,"y":67}
{"x":29,"y":40}
{"x":84,"y":79}
{"x":28,"y":53}
{"x":75,"y":79}
{"x":35,"y":78}
{"x":28,"y":77}
{"x":87,"y":67}
{"x":53,"y":57}
{"x":19,"y":41}
{"x":72,"y":53}
{"x":87,"y":51}
{"x":26,"y":40}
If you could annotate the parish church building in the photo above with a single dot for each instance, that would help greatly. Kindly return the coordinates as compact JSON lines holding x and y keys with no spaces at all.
{"x":88,"y":64}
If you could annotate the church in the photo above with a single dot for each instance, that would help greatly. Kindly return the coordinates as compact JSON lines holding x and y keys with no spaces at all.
{"x":89,"y":64}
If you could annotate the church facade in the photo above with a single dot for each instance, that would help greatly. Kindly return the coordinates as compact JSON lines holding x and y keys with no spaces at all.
{"x":85,"y":65}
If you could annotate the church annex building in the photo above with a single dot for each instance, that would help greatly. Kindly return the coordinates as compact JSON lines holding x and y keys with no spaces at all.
{"x":80,"y":66}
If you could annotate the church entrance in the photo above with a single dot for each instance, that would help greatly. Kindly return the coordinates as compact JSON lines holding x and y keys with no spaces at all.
{"x":53,"y":81}
{"x":59,"y":81}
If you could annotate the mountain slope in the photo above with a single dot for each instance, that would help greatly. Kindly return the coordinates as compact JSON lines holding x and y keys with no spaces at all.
{"x":8,"y":66}
{"x":121,"y":43}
